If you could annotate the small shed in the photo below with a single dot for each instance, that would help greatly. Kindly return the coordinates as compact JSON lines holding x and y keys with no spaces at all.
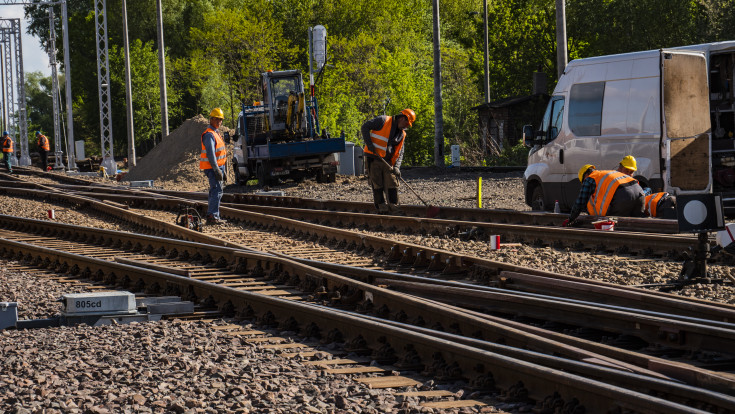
{"x":501,"y":122}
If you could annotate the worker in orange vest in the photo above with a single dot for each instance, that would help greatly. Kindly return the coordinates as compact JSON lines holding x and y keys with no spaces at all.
{"x":7,"y":151}
{"x":384,"y":138}
{"x":212,"y":161}
{"x":43,"y":148}
{"x":661,"y":205}
{"x":606,"y":192}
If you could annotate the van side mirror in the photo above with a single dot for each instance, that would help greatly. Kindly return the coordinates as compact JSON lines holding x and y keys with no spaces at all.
{"x":528,"y":136}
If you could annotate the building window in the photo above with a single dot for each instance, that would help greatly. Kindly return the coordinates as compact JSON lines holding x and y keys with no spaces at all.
{"x":585,"y":108}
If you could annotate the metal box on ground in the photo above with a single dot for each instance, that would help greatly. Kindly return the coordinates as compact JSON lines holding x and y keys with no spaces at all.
{"x":144,"y":183}
{"x":99,"y":303}
{"x":8,"y":314}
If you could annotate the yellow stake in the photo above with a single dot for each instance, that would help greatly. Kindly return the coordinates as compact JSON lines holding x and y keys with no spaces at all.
{"x":479,"y":192}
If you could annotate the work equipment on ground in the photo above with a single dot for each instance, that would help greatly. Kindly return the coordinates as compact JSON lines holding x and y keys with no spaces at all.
{"x":189,"y":218}
{"x":431,"y":211}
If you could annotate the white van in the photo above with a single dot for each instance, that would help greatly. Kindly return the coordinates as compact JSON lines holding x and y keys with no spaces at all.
{"x":658,"y":106}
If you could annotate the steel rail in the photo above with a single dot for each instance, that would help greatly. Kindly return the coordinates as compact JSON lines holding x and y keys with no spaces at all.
{"x":645,"y":244}
{"x":403,"y":254}
{"x":331,"y":286}
{"x":500,"y":370}
{"x":449,"y":213}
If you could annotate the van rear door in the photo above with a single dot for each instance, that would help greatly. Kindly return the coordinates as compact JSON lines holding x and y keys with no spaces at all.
{"x":686,"y":129}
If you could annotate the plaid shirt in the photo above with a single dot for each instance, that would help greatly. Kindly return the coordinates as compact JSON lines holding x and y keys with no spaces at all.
{"x":588,"y":189}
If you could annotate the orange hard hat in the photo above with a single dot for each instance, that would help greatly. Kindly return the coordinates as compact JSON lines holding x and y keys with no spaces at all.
{"x":410,"y":114}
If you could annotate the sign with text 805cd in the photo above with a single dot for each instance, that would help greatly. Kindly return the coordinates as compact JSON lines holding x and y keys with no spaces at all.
{"x":99,"y":303}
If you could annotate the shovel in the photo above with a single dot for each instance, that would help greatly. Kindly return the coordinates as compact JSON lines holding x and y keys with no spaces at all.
{"x":431,"y":211}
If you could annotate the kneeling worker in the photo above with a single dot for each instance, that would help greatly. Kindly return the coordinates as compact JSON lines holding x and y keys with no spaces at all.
{"x":607,"y":192}
{"x":661,"y":205}
{"x":384,"y":139}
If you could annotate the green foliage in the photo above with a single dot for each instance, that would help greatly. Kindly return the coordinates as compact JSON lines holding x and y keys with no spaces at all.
{"x":515,"y":155}
{"x":380,"y":58}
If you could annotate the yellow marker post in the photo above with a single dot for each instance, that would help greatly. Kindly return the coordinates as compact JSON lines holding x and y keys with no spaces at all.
{"x":479,"y":192}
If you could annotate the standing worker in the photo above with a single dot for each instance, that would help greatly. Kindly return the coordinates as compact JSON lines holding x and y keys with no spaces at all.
{"x":607,"y":192}
{"x":384,"y":137}
{"x":7,"y":151}
{"x":212,"y":161}
{"x":43,"y":148}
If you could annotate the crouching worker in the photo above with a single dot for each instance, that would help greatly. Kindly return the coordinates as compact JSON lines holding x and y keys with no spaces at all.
{"x":661,"y":205}
{"x":606,"y":193}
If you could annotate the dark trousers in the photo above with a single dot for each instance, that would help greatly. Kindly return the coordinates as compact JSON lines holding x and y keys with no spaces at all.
{"x":6,"y":159}
{"x":44,"y":159}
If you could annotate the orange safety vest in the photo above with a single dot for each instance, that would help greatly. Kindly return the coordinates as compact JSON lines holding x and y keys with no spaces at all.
{"x":652,"y":201}
{"x":380,"y":142}
{"x":43,"y":143}
{"x":8,"y":144}
{"x":607,"y":183}
{"x":220,"y":151}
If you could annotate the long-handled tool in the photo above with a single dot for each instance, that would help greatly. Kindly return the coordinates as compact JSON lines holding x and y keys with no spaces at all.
{"x":431,"y":211}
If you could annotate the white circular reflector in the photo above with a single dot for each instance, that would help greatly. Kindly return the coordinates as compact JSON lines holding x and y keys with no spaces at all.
{"x":695,"y":212}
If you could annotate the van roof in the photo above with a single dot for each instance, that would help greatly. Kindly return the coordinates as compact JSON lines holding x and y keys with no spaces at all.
{"x":707,"y":48}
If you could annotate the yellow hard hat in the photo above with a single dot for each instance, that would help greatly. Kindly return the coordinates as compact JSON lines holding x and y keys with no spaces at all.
{"x":584,"y":170}
{"x":217,"y":113}
{"x":410,"y":114}
{"x":629,"y":162}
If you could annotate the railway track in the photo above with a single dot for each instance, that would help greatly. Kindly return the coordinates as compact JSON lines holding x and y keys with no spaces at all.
{"x":390,"y":341}
{"x":619,"y":242}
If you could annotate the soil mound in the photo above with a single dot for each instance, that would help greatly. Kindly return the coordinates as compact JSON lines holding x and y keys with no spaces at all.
{"x":176,"y":158}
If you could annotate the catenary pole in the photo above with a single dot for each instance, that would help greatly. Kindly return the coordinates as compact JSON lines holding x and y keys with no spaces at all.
{"x":70,"y":150}
{"x":438,"y":117}
{"x":128,"y":89}
{"x":561,"y":38}
{"x":162,"y":72}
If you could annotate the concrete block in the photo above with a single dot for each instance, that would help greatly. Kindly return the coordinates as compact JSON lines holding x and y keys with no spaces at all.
{"x":171,"y":308}
{"x":8,"y":314}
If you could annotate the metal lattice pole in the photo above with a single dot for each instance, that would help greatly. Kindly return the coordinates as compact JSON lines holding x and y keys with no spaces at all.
{"x":103,"y":83}
{"x":2,"y":80}
{"x":25,"y":158}
{"x":9,"y":96}
{"x":58,"y":152}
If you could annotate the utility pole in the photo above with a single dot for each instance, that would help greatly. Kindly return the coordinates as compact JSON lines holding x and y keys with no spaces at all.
{"x":70,"y":150}
{"x":58,"y":153}
{"x":487,"y":55}
{"x":438,"y":117}
{"x":561,"y":38}
{"x":128,"y":90}
{"x":162,"y":72}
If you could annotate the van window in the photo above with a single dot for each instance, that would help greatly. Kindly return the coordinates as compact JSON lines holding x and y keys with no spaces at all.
{"x":585,"y":108}
{"x":552,"y":119}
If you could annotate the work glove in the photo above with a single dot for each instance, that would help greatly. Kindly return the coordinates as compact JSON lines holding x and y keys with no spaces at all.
{"x":397,"y":172}
{"x":370,"y":146}
{"x":568,"y":223}
{"x":218,"y":174}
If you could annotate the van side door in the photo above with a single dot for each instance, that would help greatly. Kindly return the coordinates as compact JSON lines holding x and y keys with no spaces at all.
{"x":686,"y":136}
{"x":582,"y":146}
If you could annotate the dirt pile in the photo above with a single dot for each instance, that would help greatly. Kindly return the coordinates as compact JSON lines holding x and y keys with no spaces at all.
{"x":176,"y":158}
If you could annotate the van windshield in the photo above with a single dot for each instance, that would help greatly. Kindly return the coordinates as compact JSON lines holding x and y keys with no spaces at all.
{"x":552,"y":119}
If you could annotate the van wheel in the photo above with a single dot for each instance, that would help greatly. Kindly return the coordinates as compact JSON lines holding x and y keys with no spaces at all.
{"x":537,"y":199}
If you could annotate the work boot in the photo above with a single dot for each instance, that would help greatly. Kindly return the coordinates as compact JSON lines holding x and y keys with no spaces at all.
{"x":383,"y":208}
{"x":213,"y":221}
{"x":395,"y":210}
